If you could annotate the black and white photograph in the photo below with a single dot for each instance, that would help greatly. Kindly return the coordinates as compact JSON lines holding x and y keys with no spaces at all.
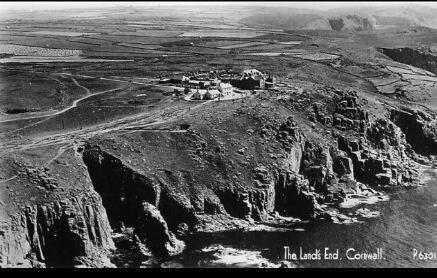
{"x":208,"y":134}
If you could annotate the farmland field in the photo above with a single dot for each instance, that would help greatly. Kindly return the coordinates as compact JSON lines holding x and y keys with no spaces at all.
{"x":242,"y":45}
{"x":22,"y":50}
{"x":61,"y":33}
{"x":222,"y":34}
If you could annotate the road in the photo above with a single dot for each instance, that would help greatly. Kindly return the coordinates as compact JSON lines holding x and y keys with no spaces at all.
{"x":134,"y":123}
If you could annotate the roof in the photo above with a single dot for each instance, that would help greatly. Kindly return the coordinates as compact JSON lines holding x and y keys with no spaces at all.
{"x":179,"y":77}
{"x":256,"y":77}
{"x":252,"y":73}
{"x":214,"y":91}
{"x":225,"y":85}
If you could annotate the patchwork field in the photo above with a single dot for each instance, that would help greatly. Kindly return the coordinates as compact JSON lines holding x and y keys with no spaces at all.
{"x":61,"y":33}
{"x":222,"y":34}
{"x":21,"y":50}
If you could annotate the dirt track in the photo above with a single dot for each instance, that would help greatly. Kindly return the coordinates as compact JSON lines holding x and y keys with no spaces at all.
{"x":127,"y":124}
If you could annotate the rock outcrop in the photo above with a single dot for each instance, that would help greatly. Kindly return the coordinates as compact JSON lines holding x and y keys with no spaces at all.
{"x":347,"y":115}
{"x":379,"y":151}
{"x":153,"y":230}
{"x":377,"y":167}
{"x":421,"y":57}
{"x":138,"y":201}
{"x":67,"y":233}
{"x":150,"y":189}
{"x":420,"y":129}
{"x":50,"y":216}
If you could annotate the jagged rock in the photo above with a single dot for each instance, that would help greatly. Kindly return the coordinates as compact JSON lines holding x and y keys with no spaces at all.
{"x":212,"y":205}
{"x":343,"y":165}
{"x":261,"y":174}
{"x":182,"y":229}
{"x":79,"y":225}
{"x":316,"y":176}
{"x":153,"y":230}
{"x":246,"y":205}
{"x":293,"y":196}
{"x":286,"y":264}
{"x":419,"y":128}
{"x":383,"y":133}
{"x":348,"y":115}
{"x":383,"y":179}
{"x":288,"y":133}
{"x":42,"y":178}
{"x":384,"y":166}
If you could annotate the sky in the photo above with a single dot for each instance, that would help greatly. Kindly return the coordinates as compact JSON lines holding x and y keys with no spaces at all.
{"x":15,"y":5}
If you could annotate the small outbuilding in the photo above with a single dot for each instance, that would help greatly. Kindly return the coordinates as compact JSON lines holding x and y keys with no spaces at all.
{"x":178,"y":78}
{"x":196,"y":96}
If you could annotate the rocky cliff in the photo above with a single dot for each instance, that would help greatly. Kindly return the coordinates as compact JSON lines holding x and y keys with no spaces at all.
{"x":419,"y":127}
{"x":422,"y":57}
{"x":205,"y":177}
{"x":52,"y":216}
{"x":350,"y":23}
{"x":249,"y":166}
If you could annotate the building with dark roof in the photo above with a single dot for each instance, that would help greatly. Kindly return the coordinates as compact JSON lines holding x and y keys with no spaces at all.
{"x":250,"y":80}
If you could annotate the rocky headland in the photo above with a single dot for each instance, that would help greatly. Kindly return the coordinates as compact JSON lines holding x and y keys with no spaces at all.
{"x":260,"y":163}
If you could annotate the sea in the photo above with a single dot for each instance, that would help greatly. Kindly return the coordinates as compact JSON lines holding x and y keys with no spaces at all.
{"x":405,"y":231}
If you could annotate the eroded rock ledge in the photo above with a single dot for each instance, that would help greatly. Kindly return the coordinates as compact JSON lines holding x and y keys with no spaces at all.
{"x":53,"y":217}
{"x":66,"y":233}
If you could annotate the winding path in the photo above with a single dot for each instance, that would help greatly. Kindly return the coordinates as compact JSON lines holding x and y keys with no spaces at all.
{"x":72,"y":106}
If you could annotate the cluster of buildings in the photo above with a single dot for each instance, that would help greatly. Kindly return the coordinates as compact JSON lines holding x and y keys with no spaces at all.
{"x":253,"y":79}
{"x":219,"y":84}
{"x":222,"y":90}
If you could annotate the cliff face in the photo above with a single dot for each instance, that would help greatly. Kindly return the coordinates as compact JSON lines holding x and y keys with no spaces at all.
{"x":420,"y":129}
{"x":421,"y":57}
{"x":52,"y":224}
{"x":183,"y":200}
{"x":350,"y":23}
{"x":206,"y":177}
{"x":66,"y":233}
{"x":138,"y":201}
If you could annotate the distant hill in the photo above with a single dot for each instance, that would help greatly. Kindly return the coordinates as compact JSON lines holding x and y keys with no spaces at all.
{"x":401,"y":16}
{"x":350,"y":23}
{"x":288,"y":21}
{"x":343,"y":19}
{"x":293,"y":21}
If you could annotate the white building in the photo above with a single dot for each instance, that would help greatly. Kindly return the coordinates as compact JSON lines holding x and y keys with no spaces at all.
{"x":204,"y":94}
{"x":225,"y":88}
